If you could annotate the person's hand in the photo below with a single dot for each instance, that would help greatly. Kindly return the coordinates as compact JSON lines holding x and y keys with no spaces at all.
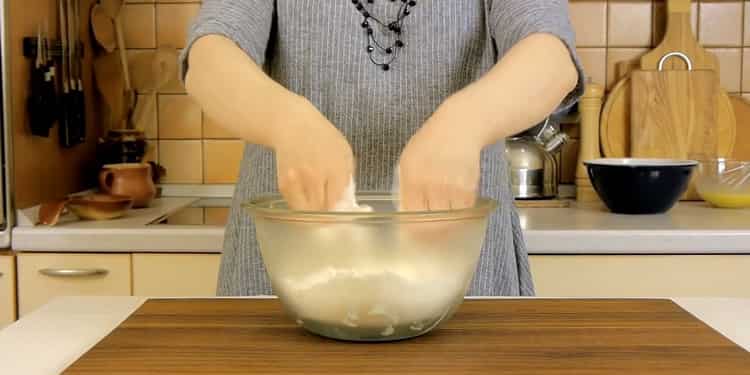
{"x":440,"y":166}
{"x":314,"y":160}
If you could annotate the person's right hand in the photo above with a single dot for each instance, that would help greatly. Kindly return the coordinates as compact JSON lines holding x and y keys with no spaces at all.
{"x":313,"y":159}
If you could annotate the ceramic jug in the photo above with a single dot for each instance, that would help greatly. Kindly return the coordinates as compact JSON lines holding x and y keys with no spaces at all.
{"x":131,"y":179}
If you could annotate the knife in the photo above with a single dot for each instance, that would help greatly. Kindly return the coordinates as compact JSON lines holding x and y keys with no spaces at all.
{"x":64,"y":126}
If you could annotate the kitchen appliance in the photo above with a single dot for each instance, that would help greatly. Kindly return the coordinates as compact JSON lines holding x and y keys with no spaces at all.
{"x":532,"y":165}
{"x":5,"y":152}
{"x":370,"y":276}
{"x":640,"y":186}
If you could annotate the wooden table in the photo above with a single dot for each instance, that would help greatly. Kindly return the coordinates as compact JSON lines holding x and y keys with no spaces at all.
{"x":486,"y":336}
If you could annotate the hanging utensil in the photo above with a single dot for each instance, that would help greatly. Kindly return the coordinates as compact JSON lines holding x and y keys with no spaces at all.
{"x":50,"y":77}
{"x":109,"y":82}
{"x":113,"y":8}
{"x":36,"y":100}
{"x":104,"y":28}
{"x":80,"y":123}
{"x":65,"y":118}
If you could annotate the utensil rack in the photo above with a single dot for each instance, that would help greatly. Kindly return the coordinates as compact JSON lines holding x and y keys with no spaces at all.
{"x":30,"y":48}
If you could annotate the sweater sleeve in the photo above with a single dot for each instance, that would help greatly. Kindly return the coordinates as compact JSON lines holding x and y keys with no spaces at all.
{"x":511,"y":21}
{"x":246,"y":22}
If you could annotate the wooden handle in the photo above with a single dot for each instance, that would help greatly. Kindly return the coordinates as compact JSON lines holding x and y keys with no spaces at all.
{"x":679,"y":37}
{"x":590,"y":108}
{"x":678,"y":6}
{"x":123,"y":53}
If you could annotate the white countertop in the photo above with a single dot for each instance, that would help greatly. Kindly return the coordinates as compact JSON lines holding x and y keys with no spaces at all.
{"x":51,"y":338}
{"x":689,"y":228}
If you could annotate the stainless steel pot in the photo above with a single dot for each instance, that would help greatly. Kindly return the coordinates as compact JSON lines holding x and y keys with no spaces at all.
{"x":532,"y":164}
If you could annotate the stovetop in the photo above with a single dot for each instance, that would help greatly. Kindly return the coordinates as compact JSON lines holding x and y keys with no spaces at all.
{"x":205,"y":211}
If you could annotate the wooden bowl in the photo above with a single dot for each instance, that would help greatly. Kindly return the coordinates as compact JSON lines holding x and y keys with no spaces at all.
{"x":100,"y":206}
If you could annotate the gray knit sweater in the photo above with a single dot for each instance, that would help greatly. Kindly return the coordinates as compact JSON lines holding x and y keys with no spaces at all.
{"x":317,"y":48}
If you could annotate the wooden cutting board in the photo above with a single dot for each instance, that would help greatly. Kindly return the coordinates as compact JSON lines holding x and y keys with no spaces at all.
{"x":485,"y":337}
{"x":673,"y":114}
{"x":616,"y":115}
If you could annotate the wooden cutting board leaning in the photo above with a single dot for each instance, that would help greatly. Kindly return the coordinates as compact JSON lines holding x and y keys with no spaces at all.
{"x":673,"y":113}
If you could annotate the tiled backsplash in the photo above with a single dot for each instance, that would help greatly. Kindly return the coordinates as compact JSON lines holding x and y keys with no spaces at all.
{"x":195,"y":151}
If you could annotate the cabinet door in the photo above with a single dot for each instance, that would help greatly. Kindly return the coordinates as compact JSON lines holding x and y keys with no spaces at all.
{"x":175,"y":275}
{"x":42,"y":277}
{"x":641,"y":275}
{"x":7,"y":290}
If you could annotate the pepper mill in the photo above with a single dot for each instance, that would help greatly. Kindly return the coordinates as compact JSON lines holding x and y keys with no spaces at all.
{"x":590,"y":108}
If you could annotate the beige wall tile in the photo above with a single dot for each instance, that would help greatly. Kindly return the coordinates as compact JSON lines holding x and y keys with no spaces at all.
{"x":720,"y":23}
{"x":222,"y":161}
{"x":589,"y":19}
{"x":745,"y":70}
{"x":629,"y":23}
{"x":746,"y":38}
{"x":152,"y":151}
{"x":216,"y":216}
{"x":139,"y":25}
{"x":594,"y":62}
{"x":180,"y":117}
{"x":173,"y":21}
{"x":211,"y":130}
{"x":174,"y":84}
{"x":730,"y":61}
{"x":615,"y":55}
{"x":182,"y":160}
{"x":144,"y":115}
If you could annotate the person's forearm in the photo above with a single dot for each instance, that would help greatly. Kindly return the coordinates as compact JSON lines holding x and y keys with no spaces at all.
{"x":235,"y":92}
{"x":521,"y":90}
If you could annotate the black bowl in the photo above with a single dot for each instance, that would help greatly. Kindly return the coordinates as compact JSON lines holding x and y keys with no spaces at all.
{"x":640,"y":186}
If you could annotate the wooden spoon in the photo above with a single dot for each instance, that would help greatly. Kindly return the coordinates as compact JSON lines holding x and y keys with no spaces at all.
{"x":109,"y":82}
{"x":104,"y":29}
{"x":153,"y":70}
{"x":113,"y":9}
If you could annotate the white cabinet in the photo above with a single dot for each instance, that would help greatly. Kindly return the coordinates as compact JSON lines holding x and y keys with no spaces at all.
{"x":175,"y":275}
{"x":42,"y":277}
{"x":7,"y":290}
{"x":641,"y":275}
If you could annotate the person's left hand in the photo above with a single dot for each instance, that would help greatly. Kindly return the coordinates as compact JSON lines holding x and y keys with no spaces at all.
{"x":440,"y":166}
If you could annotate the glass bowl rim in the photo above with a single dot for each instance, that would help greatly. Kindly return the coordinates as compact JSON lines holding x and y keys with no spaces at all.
{"x":263,"y":206}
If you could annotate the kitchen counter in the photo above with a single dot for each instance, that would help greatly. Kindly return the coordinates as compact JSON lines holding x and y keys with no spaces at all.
{"x":51,"y":338}
{"x":690,"y":228}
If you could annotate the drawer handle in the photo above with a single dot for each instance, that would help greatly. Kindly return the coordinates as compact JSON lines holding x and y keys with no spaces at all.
{"x":73,"y":272}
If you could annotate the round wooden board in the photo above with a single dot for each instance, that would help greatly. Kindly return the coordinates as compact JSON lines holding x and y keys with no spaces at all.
{"x":615,"y":122}
{"x":742,"y":139}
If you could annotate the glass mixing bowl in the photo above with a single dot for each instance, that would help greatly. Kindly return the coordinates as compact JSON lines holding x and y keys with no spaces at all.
{"x":378,"y":276}
{"x":724,"y":183}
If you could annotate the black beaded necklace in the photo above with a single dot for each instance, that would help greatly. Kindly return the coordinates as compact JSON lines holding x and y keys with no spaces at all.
{"x":389,"y":53}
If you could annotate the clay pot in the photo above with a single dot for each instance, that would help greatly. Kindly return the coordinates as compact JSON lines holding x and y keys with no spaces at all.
{"x":132,"y":180}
